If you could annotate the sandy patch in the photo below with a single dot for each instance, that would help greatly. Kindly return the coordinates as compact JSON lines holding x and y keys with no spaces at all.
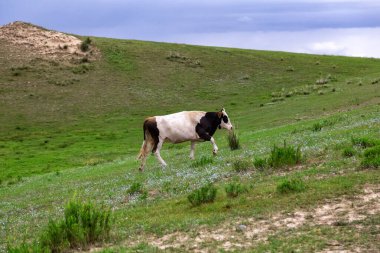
{"x":245,"y":234}
{"x":39,"y":42}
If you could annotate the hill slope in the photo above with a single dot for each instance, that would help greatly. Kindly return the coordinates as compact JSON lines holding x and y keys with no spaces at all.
{"x":104,"y":100}
{"x":72,"y":127}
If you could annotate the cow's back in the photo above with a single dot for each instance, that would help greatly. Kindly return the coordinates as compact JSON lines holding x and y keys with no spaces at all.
{"x":180,"y":126}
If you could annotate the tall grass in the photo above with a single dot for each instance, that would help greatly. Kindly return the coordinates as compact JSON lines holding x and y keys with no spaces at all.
{"x":83,"y":224}
{"x":205,"y":194}
{"x":284,"y":156}
{"x":233,"y":140}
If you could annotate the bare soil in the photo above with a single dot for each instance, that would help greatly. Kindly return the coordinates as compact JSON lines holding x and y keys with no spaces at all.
{"x":249,"y":232}
{"x":31,"y":40}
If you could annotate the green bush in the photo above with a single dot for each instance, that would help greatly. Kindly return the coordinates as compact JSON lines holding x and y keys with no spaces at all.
{"x":316,"y":127}
{"x":205,"y":194}
{"x":241,"y":165}
{"x":364,"y":142}
{"x":348,"y":152}
{"x":284,"y":156}
{"x":371,"y":157}
{"x":85,"y":45}
{"x":260,"y":163}
{"x":233,"y":140}
{"x":135,"y":187}
{"x":291,"y":185}
{"x":203,"y":161}
{"x":83,"y":224}
{"x":233,"y":189}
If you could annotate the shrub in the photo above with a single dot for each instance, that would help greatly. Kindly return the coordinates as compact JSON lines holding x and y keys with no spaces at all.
{"x":135,"y":187}
{"x":234,"y":189}
{"x":317,"y":127}
{"x":284,"y":156}
{"x":205,"y":194}
{"x":291,"y":185}
{"x":348,"y":152}
{"x":233,"y":140}
{"x":241,"y":165}
{"x":83,"y":224}
{"x":85,"y":45}
{"x":372,"y":157}
{"x":203,"y":161}
{"x":260,"y":163}
{"x":364,"y":142}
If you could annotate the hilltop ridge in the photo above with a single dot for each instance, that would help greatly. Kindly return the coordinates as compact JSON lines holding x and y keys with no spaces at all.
{"x":37,"y":41}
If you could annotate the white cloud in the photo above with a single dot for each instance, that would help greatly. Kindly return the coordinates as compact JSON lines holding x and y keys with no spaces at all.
{"x":362,"y":42}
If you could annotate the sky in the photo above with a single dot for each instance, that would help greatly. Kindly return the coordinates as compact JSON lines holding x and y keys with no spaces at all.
{"x":350,"y":28}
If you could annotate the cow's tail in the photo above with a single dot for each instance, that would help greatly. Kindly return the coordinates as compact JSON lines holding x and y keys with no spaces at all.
{"x":150,"y":142}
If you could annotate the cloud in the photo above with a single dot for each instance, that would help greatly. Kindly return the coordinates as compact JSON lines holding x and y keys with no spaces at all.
{"x":362,"y":42}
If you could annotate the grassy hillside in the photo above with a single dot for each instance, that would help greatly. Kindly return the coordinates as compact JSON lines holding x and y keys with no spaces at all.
{"x":69,"y":129}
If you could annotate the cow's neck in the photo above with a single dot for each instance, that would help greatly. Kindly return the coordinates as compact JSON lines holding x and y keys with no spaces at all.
{"x":210,"y":122}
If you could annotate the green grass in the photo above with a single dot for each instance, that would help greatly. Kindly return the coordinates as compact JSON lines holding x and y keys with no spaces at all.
{"x":86,"y":140}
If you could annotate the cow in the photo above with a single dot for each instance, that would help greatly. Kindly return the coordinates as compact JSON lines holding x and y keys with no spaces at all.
{"x":193,"y":126}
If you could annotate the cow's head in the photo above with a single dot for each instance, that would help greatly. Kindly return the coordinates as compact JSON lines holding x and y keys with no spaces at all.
{"x":225,"y":120}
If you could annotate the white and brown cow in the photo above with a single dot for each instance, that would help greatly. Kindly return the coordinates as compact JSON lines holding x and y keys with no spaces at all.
{"x":193,"y":126}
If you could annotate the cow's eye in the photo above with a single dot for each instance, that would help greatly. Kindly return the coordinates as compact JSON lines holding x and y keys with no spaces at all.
{"x":225,"y":119}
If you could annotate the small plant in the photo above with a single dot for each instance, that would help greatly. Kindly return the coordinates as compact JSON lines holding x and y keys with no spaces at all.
{"x":205,"y":194}
{"x":348,"y":152}
{"x":284,"y":156}
{"x":203,"y":161}
{"x":372,"y":157}
{"x":242,"y":165}
{"x":317,"y":127}
{"x":85,"y":45}
{"x":135,"y":187}
{"x":233,"y":189}
{"x":260,"y":163}
{"x":364,"y":142}
{"x":83,"y":224}
{"x":291,"y":185}
{"x":233,"y":140}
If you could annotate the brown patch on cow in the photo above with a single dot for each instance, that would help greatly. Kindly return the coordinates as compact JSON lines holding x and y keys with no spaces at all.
{"x":220,"y":114}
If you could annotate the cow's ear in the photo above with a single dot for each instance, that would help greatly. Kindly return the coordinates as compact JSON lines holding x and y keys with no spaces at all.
{"x":219,"y":114}
{"x":222,"y":109}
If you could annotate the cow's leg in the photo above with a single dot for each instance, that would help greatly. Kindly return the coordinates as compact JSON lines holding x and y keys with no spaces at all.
{"x":157,"y":153}
{"x":145,"y":149}
{"x":192,"y":149}
{"x":205,"y":136}
{"x":215,"y":148}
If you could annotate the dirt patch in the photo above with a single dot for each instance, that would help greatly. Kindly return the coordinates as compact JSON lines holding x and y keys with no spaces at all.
{"x":247,"y":233}
{"x":39,"y":42}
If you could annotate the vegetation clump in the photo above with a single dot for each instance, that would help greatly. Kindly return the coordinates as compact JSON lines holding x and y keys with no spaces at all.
{"x":372,"y":157}
{"x":284,"y":156}
{"x":291,"y":185}
{"x":348,"y":152}
{"x":205,"y":194}
{"x":203,"y":161}
{"x":233,"y":140}
{"x":83,"y":224}
{"x":85,"y":45}
{"x":260,"y":163}
{"x":364,"y":142}
{"x":233,"y":189}
{"x":240,"y":165}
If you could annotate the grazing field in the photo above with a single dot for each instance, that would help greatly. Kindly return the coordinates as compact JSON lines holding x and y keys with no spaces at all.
{"x":306,"y":176}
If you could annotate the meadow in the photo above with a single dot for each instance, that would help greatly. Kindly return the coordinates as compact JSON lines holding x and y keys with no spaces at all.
{"x":74,"y":131}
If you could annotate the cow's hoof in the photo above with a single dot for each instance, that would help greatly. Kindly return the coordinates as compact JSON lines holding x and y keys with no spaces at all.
{"x":215,"y":152}
{"x":141,"y":169}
